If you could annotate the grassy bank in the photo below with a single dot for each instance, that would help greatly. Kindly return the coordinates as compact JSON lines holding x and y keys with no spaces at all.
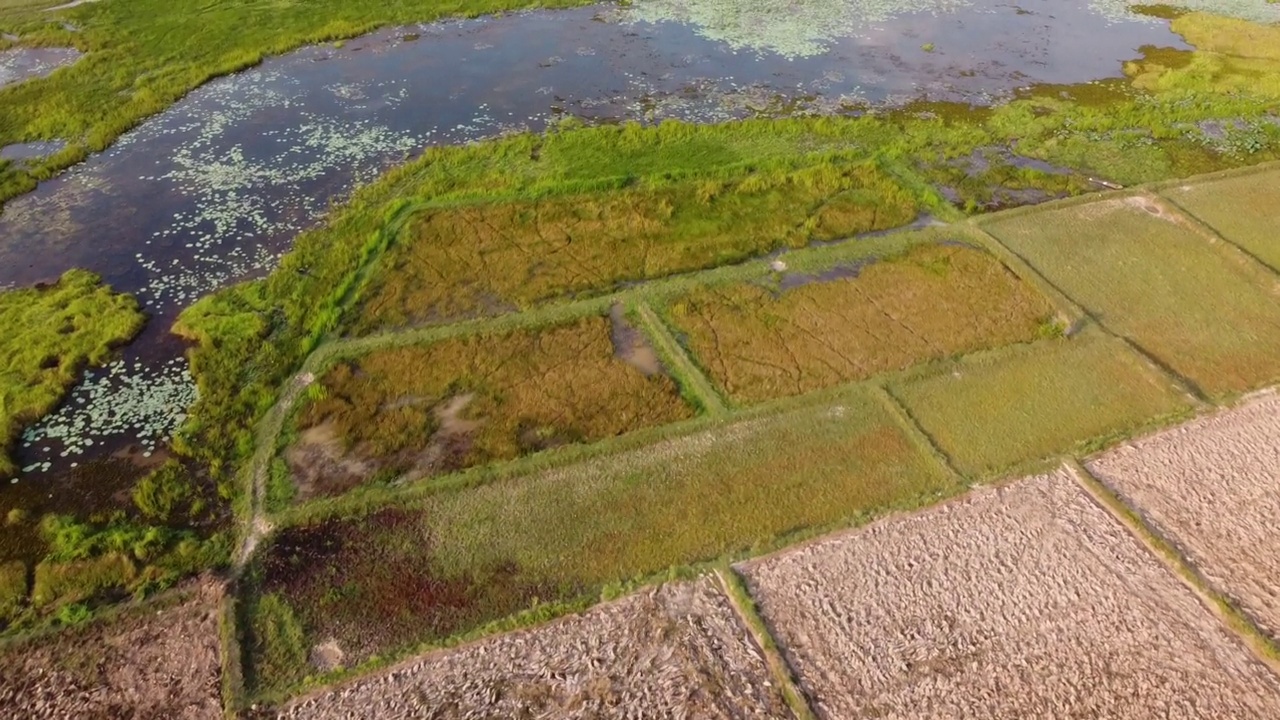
{"x":48,"y":336}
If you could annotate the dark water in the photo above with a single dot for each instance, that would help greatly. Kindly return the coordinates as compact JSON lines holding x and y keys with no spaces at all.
{"x":23,"y":63}
{"x":214,"y":189}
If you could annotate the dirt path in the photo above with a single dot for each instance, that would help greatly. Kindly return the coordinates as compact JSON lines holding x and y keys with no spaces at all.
{"x":1023,"y":601}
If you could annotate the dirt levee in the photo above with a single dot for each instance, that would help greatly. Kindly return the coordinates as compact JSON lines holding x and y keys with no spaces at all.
{"x":1210,"y":486}
{"x":146,"y":664}
{"x":1025,"y":601}
{"x":677,"y":651}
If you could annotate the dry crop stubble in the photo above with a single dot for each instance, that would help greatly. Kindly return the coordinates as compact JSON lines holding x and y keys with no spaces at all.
{"x":676,"y":650}
{"x":1210,"y":487}
{"x":1026,"y":600}
{"x":928,"y":303}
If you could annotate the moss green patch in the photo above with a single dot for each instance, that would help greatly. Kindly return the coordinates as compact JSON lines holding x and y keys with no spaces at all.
{"x":993,"y":413}
{"x":929,"y":302}
{"x":47,"y":336}
{"x":1146,"y":273}
{"x":13,"y":590}
{"x":463,"y":556}
{"x":1241,"y":209}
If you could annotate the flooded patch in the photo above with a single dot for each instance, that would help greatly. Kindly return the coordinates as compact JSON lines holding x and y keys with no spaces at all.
{"x":31,"y":150}
{"x":630,"y":345}
{"x":23,"y":63}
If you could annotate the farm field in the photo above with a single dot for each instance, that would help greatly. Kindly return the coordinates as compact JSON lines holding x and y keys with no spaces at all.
{"x":1018,"y":601}
{"x":413,"y":412}
{"x":993,"y":413}
{"x":676,"y":650}
{"x":858,"y":319}
{"x":1236,"y":208}
{"x":1144,"y":272}
{"x":1184,"y":480}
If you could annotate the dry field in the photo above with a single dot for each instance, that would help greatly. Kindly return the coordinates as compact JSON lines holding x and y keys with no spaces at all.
{"x":145,"y":664}
{"x":931,"y":302}
{"x":1017,"y":602}
{"x":677,"y":651}
{"x":1210,"y":486}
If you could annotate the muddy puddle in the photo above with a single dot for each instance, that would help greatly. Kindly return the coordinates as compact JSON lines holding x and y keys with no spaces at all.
{"x":214,"y":189}
{"x":20,"y":64}
{"x":631,"y":346}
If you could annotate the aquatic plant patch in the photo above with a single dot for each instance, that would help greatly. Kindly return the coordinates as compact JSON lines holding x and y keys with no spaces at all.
{"x":1242,"y":209}
{"x":47,"y":336}
{"x":466,"y":401}
{"x":465,"y":556}
{"x":1147,"y":273}
{"x":458,"y":261}
{"x":1001,"y":411}
{"x":928,"y":302}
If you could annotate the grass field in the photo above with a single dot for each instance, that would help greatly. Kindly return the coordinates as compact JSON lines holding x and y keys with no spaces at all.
{"x":431,"y":409}
{"x":1241,"y":209}
{"x":47,"y":336}
{"x":992,"y":414}
{"x":929,"y":302}
{"x":469,"y":555}
{"x":1207,"y":313}
{"x":460,"y":261}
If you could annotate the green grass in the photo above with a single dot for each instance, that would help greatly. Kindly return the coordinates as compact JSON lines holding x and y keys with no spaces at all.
{"x":994,"y":413}
{"x":467,"y":555}
{"x":1209,"y":314}
{"x":925,"y":303}
{"x":47,"y":337}
{"x":1241,"y":209}
{"x":143,"y":55}
{"x":13,"y":590}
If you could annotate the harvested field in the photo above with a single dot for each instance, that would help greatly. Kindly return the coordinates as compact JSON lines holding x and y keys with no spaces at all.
{"x":1241,"y":209}
{"x":929,"y":302}
{"x":145,"y":663}
{"x":1210,"y":487}
{"x":464,"y":260}
{"x":673,"y":651}
{"x":1017,"y":602}
{"x":1146,"y":273}
{"x":991,"y":414}
{"x":460,"y":402}
{"x":465,"y":556}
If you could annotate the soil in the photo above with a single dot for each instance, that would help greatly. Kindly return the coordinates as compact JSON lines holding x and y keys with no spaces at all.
{"x":630,"y":345}
{"x":146,"y":663}
{"x":1022,"y":601}
{"x":1210,"y":487}
{"x":676,"y":651}
{"x":319,"y":466}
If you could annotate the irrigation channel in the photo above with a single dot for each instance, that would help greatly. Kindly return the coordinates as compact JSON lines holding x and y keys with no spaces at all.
{"x":213,"y":190}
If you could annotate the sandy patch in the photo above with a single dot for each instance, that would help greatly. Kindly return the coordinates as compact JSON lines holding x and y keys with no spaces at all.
{"x":677,"y":651}
{"x":1026,"y":601}
{"x":1212,"y":487}
{"x":149,"y":664}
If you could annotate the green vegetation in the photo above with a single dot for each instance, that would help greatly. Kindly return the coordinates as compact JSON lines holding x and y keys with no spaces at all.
{"x":1208,"y":313}
{"x":143,"y":55}
{"x":1241,"y":209}
{"x":994,"y":413}
{"x":47,"y":336}
{"x":13,"y":590}
{"x":466,"y":555}
{"x":467,"y":401}
{"x":929,"y":302}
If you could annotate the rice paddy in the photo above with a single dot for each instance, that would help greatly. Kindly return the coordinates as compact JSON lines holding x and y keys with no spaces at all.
{"x":995,"y":413}
{"x":412,"y":412}
{"x":1209,"y":314}
{"x":1239,"y":209}
{"x":858,"y":320}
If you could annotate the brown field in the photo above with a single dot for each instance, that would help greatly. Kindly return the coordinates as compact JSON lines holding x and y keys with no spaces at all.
{"x":143,"y":664}
{"x":933,"y":301}
{"x":1241,"y":209}
{"x":1016,"y":602}
{"x":1210,"y":487}
{"x":673,"y":651}
{"x":460,"y":261}
{"x":430,"y":409}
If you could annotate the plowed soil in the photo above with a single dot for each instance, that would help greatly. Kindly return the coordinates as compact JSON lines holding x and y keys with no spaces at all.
{"x":677,"y":651}
{"x":1213,"y":487}
{"x":1018,"y":602}
{"x":147,"y":664}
